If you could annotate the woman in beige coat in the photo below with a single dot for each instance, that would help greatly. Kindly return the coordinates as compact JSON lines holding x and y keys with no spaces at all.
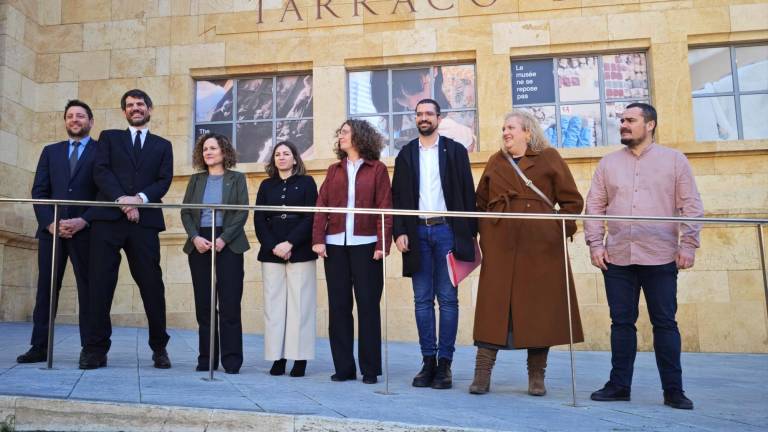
{"x":521,"y":300}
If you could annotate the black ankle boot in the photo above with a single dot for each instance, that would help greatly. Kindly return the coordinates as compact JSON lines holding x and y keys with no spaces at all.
{"x":443,"y":377}
{"x":278,"y":367}
{"x":299,"y":367}
{"x":427,"y":374}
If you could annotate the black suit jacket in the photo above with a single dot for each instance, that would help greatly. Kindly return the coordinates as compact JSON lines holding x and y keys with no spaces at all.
{"x":117,"y":174}
{"x":458,"y":192}
{"x":54,"y":181}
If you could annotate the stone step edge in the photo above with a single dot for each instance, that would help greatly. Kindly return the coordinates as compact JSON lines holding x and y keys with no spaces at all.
{"x":67,"y":415}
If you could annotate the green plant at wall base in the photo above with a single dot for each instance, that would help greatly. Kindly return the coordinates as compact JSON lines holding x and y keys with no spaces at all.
{"x":8,"y":425}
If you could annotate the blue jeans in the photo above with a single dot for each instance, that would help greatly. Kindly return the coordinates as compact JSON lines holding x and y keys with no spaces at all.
{"x":659,"y":284}
{"x":430,"y":281}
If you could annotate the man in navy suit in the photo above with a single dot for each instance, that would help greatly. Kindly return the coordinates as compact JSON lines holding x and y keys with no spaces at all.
{"x":65,"y":171}
{"x":132,"y":166}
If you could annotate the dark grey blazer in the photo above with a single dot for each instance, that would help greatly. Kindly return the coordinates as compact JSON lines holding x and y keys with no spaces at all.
{"x":234,"y":191}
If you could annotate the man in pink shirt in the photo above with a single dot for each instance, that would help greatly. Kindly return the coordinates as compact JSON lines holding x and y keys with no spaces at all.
{"x":643,"y":179}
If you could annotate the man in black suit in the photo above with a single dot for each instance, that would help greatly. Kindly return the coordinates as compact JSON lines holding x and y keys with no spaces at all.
{"x":132,"y":167}
{"x":64,"y":171}
{"x":432,"y":173}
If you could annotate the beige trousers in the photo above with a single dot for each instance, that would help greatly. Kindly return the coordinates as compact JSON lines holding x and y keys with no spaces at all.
{"x":290,"y":300}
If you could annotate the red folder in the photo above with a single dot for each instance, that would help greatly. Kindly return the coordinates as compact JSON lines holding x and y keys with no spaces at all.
{"x":458,"y":270}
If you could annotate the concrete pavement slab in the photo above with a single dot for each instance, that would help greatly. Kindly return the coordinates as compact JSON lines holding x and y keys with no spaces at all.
{"x":730,"y":391}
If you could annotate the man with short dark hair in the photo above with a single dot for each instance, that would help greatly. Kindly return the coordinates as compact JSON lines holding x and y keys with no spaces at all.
{"x":132,"y":167}
{"x":64,"y":171}
{"x":432,"y":173}
{"x":643,"y":179}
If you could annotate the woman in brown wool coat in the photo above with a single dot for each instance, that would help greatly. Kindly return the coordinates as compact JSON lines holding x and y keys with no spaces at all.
{"x":521,"y":299}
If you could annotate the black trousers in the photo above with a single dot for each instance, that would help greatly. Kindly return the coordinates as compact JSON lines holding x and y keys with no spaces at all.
{"x":229,"y":293}
{"x":352,"y":270}
{"x":142,"y":248}
{"x":77,"y":250}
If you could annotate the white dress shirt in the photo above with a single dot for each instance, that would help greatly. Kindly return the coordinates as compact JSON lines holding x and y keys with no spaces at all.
{"x":144,"y":133}
{"x":348,"y":237}
{"x":431,"y":196}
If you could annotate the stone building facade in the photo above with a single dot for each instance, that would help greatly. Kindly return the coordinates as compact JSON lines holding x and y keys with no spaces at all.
{"x":94,"y":50}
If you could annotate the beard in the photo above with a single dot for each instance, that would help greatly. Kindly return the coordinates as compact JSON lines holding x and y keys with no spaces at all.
{"x":83,"y":132}
{"x":140,"y":122}
{"x":632,"y":142}
{"x":428,"y":131}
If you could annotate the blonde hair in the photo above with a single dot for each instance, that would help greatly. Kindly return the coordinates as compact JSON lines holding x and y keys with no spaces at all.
{"x":529,"y":123}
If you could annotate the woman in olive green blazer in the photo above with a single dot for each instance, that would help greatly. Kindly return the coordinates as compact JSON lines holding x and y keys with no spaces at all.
{"x":217,"y":184}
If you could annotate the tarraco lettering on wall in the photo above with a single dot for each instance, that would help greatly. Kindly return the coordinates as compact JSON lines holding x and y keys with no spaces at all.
{"x":325,"y":8}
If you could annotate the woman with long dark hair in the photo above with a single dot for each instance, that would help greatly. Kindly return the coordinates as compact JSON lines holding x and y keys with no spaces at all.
{"x":287,"y":261}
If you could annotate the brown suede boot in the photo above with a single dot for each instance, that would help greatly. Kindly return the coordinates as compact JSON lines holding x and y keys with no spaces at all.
{"x":484,"y":362}
{"x":537,"y":363}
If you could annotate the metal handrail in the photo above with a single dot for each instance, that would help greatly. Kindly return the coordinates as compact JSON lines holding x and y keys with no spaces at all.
{"x":399,"y":212}
{"x":757,"y":222}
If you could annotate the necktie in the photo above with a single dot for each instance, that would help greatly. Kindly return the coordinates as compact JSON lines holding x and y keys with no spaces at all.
{"x":73,"y":157}
{"x":137,"y":146}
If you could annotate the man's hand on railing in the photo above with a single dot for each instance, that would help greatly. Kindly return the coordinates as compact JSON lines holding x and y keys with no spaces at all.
{"x":126,"y":200}
{"x":402,"y":243}
{"x":319,"y":249}
{"x":51,"y":227}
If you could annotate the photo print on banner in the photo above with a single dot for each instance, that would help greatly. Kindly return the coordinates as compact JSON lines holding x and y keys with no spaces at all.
{"x":257,"y":113}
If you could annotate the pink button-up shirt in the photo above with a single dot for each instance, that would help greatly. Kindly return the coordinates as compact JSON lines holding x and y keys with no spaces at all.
{"x":659,"y":182}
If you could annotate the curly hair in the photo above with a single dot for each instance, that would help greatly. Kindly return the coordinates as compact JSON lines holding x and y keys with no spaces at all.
{"x":529,"y":123}
{"x":298,"y":167}
{"x":366,"y":139}
{"x":227,"y":151}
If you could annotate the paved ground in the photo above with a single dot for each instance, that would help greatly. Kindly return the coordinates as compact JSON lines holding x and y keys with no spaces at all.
{"x":730,"y":391}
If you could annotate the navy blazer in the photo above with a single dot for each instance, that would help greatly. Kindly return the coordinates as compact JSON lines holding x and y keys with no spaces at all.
{"x":273,"y":228}
{"x":458,"y":192}
{"x":118,"y":174}
{"x":53,"y":181}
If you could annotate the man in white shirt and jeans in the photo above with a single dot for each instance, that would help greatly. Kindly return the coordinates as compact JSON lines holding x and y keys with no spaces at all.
{"x":432,"y":173}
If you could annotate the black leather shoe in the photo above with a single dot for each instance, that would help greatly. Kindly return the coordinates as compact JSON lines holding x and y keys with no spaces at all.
{"x":677,"y":399}
{"x":443,"y":377}
{"x":370,"y":379}
{"x":34,"y":355}
{"x":339,"y":377}
{"x":427,"y":373}
{"x":278,"y":367}
{"x":92,"y":360}
{"x":299,"y":368}
{"x":232,"y":371}
{"x":611,"y":393}
{"x":160,"y":357}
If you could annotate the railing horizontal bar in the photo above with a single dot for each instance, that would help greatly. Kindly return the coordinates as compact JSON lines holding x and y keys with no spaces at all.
{"x":397,"y":212}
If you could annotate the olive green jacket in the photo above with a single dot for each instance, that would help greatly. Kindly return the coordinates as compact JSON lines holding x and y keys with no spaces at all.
{"x":234,"y":191}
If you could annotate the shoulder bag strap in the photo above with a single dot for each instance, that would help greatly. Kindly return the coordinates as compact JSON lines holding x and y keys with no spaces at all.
{"x":529,"y":183}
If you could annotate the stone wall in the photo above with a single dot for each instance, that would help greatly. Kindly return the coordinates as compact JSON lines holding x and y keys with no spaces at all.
{"x":53,"y":50}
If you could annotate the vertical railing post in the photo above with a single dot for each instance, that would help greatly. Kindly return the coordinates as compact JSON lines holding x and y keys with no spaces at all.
{"x":762,"y":262}
{"x":570,"y":315}
{"x":53,"y":297}
{"x":386,"y":306}
{"x":212,"y":327}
